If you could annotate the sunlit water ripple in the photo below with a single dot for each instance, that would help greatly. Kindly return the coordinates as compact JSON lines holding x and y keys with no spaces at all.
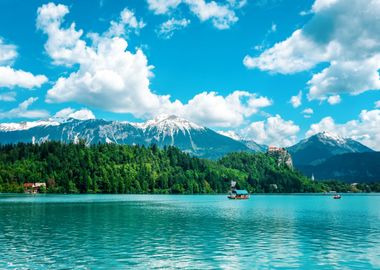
{"x":189,"y":232}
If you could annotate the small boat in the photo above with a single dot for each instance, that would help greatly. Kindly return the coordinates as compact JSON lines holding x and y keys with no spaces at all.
{"x":337,"y":197}
{"x":237,"y":194}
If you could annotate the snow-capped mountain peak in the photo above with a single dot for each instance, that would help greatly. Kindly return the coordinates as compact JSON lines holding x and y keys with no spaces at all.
{"x":329,"y":136}
{"x":28,"y":125}
{"x":170,"y":124}
{"x":323,"y":145}
{"x":55,"y":120}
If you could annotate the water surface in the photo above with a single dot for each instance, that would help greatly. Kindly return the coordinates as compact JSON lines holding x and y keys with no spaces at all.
{"x":189,"y":232}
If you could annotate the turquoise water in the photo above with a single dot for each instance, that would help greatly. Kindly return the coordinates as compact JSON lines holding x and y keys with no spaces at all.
{"x":189,"y":232}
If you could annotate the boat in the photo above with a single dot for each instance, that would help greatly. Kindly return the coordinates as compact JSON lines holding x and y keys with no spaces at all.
{"x":337,"y":197}
{"x":237,"y":194}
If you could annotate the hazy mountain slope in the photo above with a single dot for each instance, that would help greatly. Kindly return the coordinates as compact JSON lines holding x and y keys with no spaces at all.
{"x":351,"y":167}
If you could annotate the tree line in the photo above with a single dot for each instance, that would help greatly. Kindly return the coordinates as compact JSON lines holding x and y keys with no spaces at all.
{"x":112,"y":168}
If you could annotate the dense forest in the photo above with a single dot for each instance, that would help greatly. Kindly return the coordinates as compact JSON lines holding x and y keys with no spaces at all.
{"x":111,"y":168}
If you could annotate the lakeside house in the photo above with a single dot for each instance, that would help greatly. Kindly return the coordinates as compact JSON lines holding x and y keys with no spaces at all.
{"x":34,"y":187}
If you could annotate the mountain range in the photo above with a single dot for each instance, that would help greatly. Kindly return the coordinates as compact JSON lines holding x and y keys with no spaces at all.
{"x":163,"y":130}
{"x":320,"y":154}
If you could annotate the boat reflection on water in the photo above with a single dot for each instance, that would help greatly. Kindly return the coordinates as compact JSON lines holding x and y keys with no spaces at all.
{"x":237,"y":194}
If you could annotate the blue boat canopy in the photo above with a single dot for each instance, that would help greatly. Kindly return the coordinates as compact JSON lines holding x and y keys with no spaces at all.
{"x":241,"y":192}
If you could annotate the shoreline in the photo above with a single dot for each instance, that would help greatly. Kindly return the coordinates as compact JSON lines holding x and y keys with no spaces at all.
{"x":199,"y":194}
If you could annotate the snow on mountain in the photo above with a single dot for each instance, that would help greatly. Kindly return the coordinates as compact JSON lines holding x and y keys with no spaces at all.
{"x":321,"y":146}
{"x":163,"y":130}
{"x":329,"y":136}
{"x":28,"y":125}
{"x":251,"y":144}
{"x":230,"y":133}
{"x":170,"y":124}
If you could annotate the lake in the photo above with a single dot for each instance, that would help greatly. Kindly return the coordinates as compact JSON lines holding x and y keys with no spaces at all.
{"x":189,"y":232}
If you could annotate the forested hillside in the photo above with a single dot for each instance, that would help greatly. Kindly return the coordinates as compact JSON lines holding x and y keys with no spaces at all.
{"x":111,"y":168}
{"x":349,"y":168}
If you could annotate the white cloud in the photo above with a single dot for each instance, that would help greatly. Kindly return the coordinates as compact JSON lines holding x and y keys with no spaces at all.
{"x":288,"y":56}
{"x":222,"y":16}
{"x":127,"y":21}
{"x":82,"y":114}
{"x":64,"y":46}
{"x":22,"y":111}
{"x":11,"y":78}
{"x":377,"y":104}
{"x":109,"y":76}
{"x":114,"y":79}
{"x":273,"y":131}
{"x":320,"y":5}
{"x":296,"y":101}
{"x":332,"y":100}
{"x":211,"y":109}
{"x":162,"y":6}
{"x":308,"y":112}
{"x":8,"y":53}
{"x":166,"y":29}
{"x":7,"y":97}
{"x":343,"y":33}
{"x":365,"y":129}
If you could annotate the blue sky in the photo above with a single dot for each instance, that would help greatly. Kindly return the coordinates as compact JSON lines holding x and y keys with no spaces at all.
{"x":232,"y":65}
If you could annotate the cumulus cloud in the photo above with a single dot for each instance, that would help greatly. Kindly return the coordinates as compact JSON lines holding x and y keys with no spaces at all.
{"x":296,"y":101}
{"x":22,"y":111}
{"x":82,"y":114}
{"x":109,"y":76}
{"x":272,"y":131}
{"x":222,"y":16}
{"x":342,"y":33}
{"x":377,"y":104}
{"x":212,"y":109}
{"x":335,"y":99}
{"x":289,"y":56}
{"x":7,"y":97}
{"x":64,"y":46}
{"x":9,"y":77}
{"x":365,"y":129}
{"x":112,"y":78}
{"x":166,"y":29}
